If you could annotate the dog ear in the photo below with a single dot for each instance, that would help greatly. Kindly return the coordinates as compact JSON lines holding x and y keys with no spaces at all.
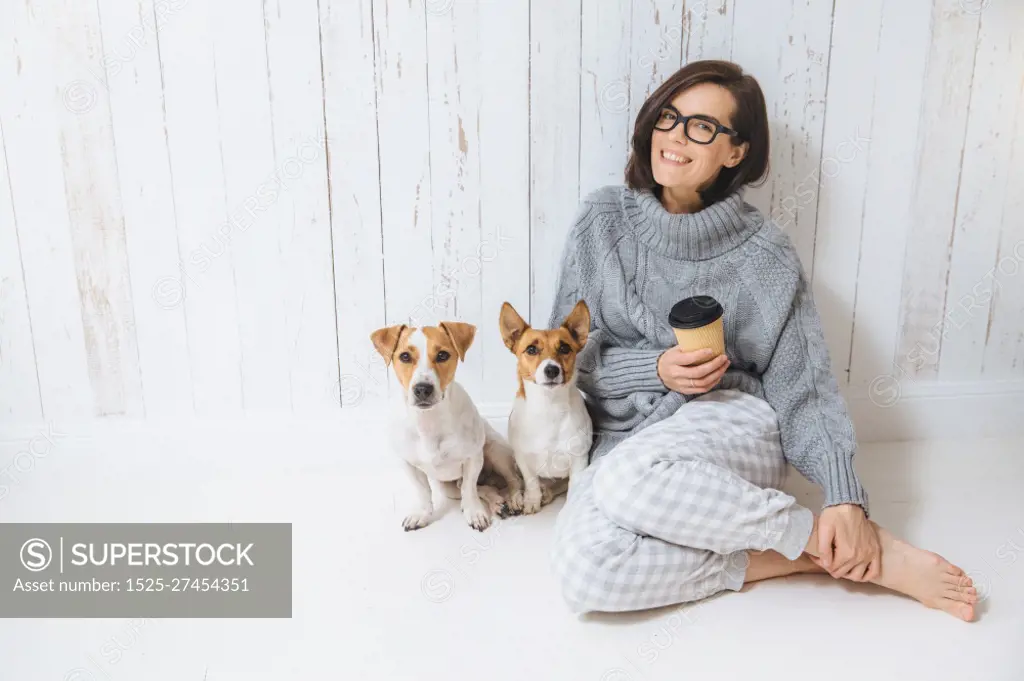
{"x":512,"y":326}
{"x":578,"y":322}
{"x":462,"y":335}
{"x":386,"y":341}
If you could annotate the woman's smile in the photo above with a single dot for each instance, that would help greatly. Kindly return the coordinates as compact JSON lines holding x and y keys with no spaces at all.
{"x":674,"y":158}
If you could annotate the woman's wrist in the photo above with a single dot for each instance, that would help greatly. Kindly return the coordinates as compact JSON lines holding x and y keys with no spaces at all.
{"x":658,"y":368}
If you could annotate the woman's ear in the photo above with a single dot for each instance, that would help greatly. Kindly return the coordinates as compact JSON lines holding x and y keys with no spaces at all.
{"x":737,"y":154}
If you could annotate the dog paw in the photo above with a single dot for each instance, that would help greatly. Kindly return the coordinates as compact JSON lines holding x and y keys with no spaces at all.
{"x":531,"y":504}
{"x":415,"y":521}
{"x":477,"y":517}
{"x":493,"y":502}
{"x":531,"y":508}
{"x":551,"y":489}
{"x":514,"y":503}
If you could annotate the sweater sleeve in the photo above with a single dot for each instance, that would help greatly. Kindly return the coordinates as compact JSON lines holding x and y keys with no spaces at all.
{"x":816,"y":430}
{"x":606,"y":370}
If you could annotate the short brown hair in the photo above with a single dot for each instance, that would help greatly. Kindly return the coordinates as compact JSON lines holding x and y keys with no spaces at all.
{"x":750,"y":120}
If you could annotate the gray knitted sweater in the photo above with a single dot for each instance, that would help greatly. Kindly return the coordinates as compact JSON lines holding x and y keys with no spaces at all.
{"x":631,"y":260}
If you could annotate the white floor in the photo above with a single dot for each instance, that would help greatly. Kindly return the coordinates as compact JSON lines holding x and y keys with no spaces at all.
{"x":372,"y":602}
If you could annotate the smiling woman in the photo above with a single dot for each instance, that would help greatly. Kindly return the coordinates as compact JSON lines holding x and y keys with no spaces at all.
{"x":694,"y":131}
{"x":682,"y":497}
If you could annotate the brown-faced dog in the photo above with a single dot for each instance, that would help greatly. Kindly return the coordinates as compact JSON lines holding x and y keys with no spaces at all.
{"x":549,"y":427}
{"x":438,"y":432}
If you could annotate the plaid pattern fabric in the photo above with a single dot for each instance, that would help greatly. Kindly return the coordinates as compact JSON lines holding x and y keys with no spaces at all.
{"x":668,"y":515}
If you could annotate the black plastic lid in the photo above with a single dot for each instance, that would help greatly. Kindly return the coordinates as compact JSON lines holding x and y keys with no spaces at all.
{"x":693,"y":313}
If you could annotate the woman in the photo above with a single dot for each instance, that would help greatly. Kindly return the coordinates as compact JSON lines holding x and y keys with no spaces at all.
{"x":681,"y":498}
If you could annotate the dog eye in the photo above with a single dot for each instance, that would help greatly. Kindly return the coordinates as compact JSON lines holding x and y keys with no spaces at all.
{"x":564,"y":349}
{"x":532,"y":350}
{"x":443,"y":356}
{"x":405,"y":357}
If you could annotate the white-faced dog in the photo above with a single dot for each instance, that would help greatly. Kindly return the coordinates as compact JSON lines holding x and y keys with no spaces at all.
{"x":549,"y":427}
{"x":437,"y":430}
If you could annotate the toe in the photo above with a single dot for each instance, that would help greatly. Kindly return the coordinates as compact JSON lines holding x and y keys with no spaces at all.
{"x":962,"y":595}
{"x":961,"y":580}
{"x":956,"y":608}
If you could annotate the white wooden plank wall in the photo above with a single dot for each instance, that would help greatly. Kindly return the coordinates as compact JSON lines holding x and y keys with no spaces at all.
{"x":95,"y":213}
{"x":707,"y":29}
{"x":504,"y":166}
{"x":984,"y":194}
{"x":248,"y":156}
{"x":1004,"y":338}
{"x":206,"y":238}
{"x":206,"y":206}
{"x":17,"y":356}
{"x":350,"y":112}
{"x":411,"y":244}
{"x":941,"y":148}
{"x":454,"y":77}
{"x":841,"y":199}
{"x":135,"y":87}
{"x":903,"y":37}
{"x":302,"y":211}
{"x":554,"y":140}
{"x":31,"y":105}
{"x":789,"y":57}
{"x":605,"y":120}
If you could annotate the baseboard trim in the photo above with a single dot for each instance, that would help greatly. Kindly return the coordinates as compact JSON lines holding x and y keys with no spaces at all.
{"x":916,"y":411}
{"x":939,"y":411}
{"x":880,"y":414}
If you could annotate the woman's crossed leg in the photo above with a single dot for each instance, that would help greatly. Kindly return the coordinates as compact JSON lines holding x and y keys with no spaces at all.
{"x":690,"y":506}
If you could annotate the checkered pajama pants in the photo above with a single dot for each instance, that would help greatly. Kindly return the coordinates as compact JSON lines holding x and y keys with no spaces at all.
{"x":668,"y":515}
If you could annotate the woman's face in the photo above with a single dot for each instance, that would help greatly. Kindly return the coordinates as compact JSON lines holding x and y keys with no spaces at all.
{"x":681,"y":164}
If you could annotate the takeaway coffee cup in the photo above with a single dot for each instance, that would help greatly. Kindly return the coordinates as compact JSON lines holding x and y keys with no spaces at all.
{"x":697,"y":323}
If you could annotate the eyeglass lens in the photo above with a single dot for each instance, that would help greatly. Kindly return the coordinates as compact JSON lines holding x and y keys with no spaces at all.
{"x":698,"y":130}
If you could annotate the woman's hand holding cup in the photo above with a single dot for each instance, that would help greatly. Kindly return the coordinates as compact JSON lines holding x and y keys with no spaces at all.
{"x":698,"y":361}
{"x":691,"y":372}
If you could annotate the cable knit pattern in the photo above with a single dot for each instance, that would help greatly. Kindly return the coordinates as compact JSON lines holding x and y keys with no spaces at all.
{"x":631,"y":260}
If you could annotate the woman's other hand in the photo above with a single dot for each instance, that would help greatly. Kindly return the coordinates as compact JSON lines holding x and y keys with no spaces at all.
{"x":691,"y":372}
{"x":848,"y":544}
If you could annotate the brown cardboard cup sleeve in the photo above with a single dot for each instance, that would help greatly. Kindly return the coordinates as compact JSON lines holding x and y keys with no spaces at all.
{"x":697,"y":323}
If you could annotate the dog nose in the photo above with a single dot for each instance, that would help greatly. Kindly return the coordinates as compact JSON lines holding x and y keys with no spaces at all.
{"x":422,"y":391}
{"x":552,"y":370}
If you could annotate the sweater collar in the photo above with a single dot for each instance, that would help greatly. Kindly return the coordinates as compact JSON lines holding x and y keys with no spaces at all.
{"x":706,"y":234}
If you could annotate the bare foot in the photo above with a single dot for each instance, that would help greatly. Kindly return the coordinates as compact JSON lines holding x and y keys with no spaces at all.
{"x":926,"y":577}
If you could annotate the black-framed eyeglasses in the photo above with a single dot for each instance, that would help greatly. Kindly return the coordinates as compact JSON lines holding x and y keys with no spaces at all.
{"x":697,"y":128}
